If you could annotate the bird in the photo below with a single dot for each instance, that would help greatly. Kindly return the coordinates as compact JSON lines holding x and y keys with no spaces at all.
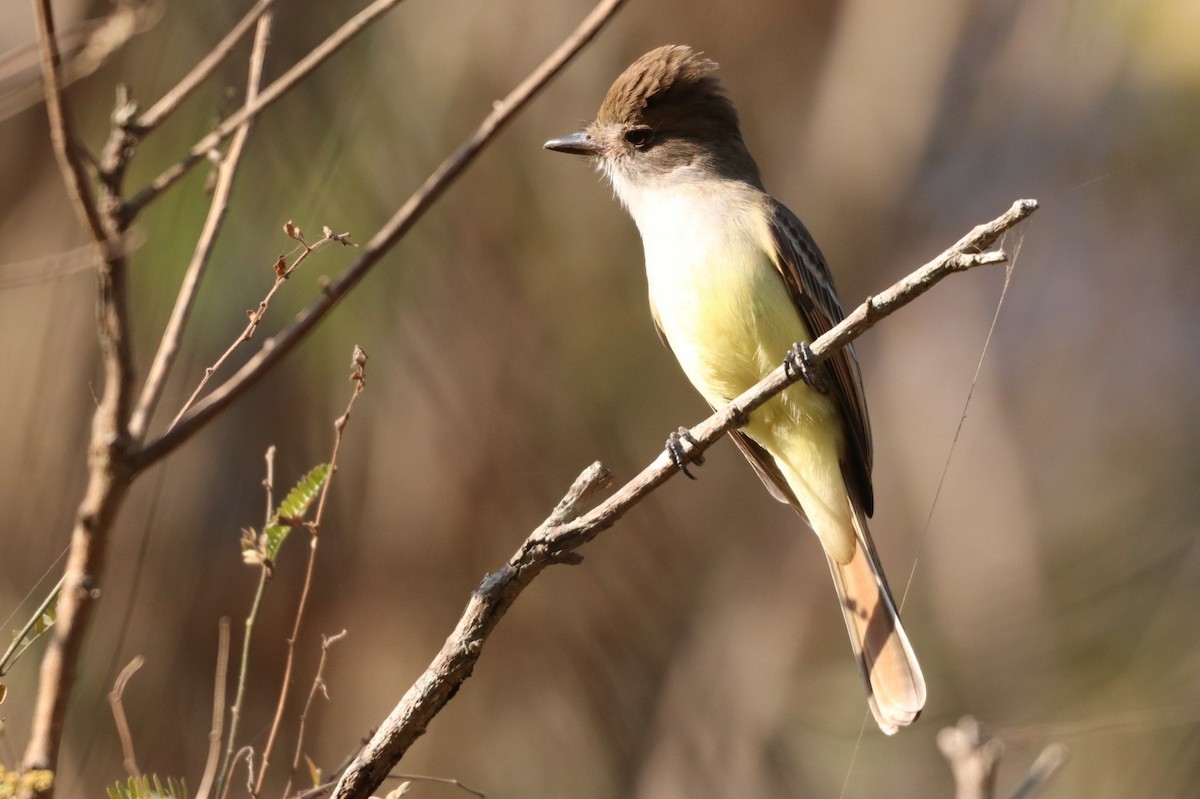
{"x":737,"y":285}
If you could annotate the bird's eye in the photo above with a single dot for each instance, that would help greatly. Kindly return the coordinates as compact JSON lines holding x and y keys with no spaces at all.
{"x":639,"y":137}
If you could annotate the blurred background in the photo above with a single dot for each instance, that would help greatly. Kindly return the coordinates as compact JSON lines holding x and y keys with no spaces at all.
{"x":1051,"y":584}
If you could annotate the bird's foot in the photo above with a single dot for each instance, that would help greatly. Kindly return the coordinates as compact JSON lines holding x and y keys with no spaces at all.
{"x":801,"y":362}
{"x":679,"y":446}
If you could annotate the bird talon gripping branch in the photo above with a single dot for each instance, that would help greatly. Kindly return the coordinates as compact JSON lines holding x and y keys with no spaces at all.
{"x":801,"y":362}
{"x":679,"y":448}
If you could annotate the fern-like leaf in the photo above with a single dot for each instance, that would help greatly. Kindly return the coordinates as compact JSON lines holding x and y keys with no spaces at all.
{"x":293,"y":509}
{"x":305,"y":492}
{"x":148,"y":787}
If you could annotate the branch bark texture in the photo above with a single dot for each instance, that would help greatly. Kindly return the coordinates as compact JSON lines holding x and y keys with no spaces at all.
{"x":108,"y":472}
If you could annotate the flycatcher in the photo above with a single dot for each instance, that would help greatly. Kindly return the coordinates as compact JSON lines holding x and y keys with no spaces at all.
{"x":736,"y":282}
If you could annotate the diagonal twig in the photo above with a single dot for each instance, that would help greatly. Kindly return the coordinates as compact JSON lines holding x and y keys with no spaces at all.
{"x":218,"y":714}
{"x":318,"y":686}
{"x":283,"y":271}
{"x":62,"y":133}
{"x":166,"y":105}
{"x":116,"y":700}
{"x":168,"y":346}
{"x":252,"y":108}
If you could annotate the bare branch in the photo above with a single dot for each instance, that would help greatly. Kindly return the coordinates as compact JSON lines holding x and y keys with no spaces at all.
{"x":318,"y":686}
{"x":116,"y":701}
{"x":358,"y":363}
{"x":252,"y":108}
{"x":556,"y":540}
{"x":269,"y":485}
{"x":218,"y":720}
{"x":170,"y":101}
{"x":440,"y":780}
{"x":168,"y":346}
{"x":33,"y":628}
{"x":245,"y":753}
{"x":108,"y":463}
{"x":61,"y":133}
{"x":275,"y":348}
{"x":235,"y":711}
{"x":254,"y":318}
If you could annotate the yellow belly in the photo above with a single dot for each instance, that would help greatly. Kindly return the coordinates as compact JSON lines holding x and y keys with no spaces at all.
{"x":727,"y":315}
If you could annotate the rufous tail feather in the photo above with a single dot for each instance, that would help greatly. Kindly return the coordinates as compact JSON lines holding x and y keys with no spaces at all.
{"x":895,"y":685}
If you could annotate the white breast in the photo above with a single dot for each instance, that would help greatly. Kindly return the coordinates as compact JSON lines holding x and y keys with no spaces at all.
{"x":715,"y":292}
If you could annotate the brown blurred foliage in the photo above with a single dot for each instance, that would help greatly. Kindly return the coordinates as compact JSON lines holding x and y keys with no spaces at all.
{"x":1051,"y":587}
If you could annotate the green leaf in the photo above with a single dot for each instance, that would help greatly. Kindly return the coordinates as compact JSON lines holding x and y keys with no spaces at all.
{"x":274,"y":536}
{"x":298,"y":500}
{"x":293,"y":509}
{"x":148,"y":787}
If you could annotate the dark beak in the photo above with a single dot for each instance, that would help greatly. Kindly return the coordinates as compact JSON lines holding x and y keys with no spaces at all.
{"x":580,"y":143}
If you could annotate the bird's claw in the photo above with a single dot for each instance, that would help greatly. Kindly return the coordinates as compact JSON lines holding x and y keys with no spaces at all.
{"x":800,"y":362}
{"x":678,"y":445}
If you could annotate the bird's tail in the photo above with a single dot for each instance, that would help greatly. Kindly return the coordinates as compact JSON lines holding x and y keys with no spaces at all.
{"x":895,"y":685}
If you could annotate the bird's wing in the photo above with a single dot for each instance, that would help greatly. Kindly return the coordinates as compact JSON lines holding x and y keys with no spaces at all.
{"x":811,"y":287}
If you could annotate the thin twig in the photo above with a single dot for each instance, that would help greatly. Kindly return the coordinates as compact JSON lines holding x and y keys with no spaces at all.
{"x":115,"y":701}
{"x":255,"y":317}
{"x":168,"y":346}
{"x":251,"y":109}
{"x":19,"y":642}
{"x":170,"y":101}
{"x":218,"y":719}
{"x":275,"y":348}
{"x":245,"y":753}
{"x":357,"y":375}
{"x":556,"y":540}
{"x":318,"y":686}
{"x":264,"y":577}
{"x":235,"y":712}
{"x":1051,"y":759}
{"x":62,"y":135}
{"x":269,"y":486}
{"x":439,"y":780}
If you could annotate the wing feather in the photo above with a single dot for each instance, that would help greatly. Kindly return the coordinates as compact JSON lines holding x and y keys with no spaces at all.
{"x":810,"y":284}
